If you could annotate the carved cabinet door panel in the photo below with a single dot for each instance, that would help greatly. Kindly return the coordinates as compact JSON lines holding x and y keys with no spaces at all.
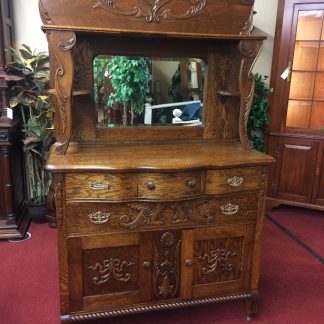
{"x":105,"y":271}
{"x":216,"y":261}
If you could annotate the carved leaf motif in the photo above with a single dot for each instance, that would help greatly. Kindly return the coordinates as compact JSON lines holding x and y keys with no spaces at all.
{"x":155,"y":10}
{"x":166,"y":266}
{"x":181,"y":212}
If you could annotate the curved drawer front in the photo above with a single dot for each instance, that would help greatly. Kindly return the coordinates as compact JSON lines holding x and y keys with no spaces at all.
{"x":232,"y":180}
{"x":100,"y":186}
{"x":169,"y":185}
{"x":98,"y":217}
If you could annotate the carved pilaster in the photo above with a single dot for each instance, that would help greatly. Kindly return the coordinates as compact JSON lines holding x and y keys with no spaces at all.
{"x":60,"y":46}
{"x":166,"y":271}
{"x":249,"y":51}
{"x":59,"y":196}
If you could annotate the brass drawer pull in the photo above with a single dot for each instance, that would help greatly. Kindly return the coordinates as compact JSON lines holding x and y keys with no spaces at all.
{"x":235,"y":181}
{"x":229,"y":209}
{"x":99,"y":217}
{"x":99,"y":185}
{"x":147,"y":264}
{"x":150,"y":185}
{"x":188,"y":263}
{"x":191,"y":183}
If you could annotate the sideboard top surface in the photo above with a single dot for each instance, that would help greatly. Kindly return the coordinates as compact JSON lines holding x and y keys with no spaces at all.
{"x":167,"y":157}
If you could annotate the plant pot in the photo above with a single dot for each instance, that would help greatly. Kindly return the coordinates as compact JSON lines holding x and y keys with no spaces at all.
{"x":37,"y":212}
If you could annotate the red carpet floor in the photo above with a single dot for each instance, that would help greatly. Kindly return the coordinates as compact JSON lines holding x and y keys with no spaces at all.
{"x":291,"y":288}
{"x":305,"y":224}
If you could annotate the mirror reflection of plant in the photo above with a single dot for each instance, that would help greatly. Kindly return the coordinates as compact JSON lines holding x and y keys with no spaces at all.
{"x":259,"y":117}
{"x":28,"y":77}
{"x":130,"y":79}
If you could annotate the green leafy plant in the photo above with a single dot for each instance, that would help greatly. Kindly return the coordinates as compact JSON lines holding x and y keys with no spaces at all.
{"x":259,"y":117}
{"x":130,"y":79}
{"x":28,"y":77}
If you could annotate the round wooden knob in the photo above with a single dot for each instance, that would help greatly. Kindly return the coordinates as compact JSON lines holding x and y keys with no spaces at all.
{"x":147,"y":264}
{"x":188,"y":263}
{"x":192,"y":183}
{"x":150,"y":185}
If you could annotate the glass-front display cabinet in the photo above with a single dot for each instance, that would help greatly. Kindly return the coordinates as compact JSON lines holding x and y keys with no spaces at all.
{"x":296,"y":131}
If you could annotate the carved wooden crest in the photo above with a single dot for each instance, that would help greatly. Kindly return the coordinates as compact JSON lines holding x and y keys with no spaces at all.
{"x":154,"y":10}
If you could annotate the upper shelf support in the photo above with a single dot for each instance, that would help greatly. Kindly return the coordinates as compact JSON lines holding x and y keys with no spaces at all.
{"x":249,"y":50}
{"x":61,"y":44}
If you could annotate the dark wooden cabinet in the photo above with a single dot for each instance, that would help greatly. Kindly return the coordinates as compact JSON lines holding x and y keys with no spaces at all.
{"x":13,"y":214}
{"x":295,"y":136}
{"x":155,"y":216}
{"x":318,"y":187}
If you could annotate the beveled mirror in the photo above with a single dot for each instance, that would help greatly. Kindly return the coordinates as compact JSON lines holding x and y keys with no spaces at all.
{"x":148,"y":91}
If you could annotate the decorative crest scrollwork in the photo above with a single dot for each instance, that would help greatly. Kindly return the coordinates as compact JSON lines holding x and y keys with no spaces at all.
{"x":68,"y":45}
{"x":155,"y":10}
{"x":46,"y":19}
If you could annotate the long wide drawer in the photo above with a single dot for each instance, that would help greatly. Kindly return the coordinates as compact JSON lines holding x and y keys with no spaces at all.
{"x":98,"y":217}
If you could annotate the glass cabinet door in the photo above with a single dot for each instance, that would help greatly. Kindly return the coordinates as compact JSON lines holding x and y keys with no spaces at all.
{"x":306,"y":93}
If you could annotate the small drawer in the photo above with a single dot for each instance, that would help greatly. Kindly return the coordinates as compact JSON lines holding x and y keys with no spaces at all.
{"x":232,"y":180}
{"x":100,"y":186}
{"x":169,"y":185}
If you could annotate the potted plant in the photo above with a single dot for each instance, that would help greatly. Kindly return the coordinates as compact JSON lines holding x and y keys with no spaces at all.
{"x":28,"y":77}
{"x":259,"y":117}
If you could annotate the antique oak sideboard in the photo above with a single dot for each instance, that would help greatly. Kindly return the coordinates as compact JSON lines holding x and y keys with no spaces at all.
{"x":159,"y":216}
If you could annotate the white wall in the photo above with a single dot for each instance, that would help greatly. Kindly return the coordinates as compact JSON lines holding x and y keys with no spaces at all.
{"x":265,"y":24}
{"x":27,"y":28}
{"x":27,"y":24}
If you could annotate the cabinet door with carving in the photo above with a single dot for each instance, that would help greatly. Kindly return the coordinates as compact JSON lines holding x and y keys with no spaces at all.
{"x":105,"y":271}
{"x":216,"y":261}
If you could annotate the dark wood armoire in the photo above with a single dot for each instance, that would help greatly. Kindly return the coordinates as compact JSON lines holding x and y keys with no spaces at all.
{"x":155,"y":216}
{"x":295,"y":136}
{"x":13,"y":215}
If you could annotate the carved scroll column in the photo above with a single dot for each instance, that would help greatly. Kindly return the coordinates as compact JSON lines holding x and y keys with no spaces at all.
{"x":61,"y":44}
{"x":249,"y":51}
